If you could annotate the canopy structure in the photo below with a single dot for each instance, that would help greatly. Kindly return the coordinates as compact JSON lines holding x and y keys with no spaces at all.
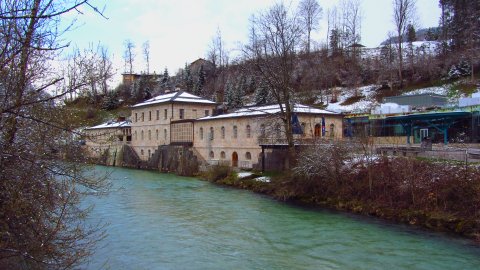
{"x":438,"y":120}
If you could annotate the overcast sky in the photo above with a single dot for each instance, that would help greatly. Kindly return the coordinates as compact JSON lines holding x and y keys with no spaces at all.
{"x":181,"y":31}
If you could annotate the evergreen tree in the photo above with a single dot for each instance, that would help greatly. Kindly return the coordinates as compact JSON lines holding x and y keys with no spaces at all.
{"x":411,"y":34}
{"x":165,"y":83}
{"x":262,"y":95}
{"x":229,"y":94}
{"x":187,"y":79}
{"x":198,"y":90}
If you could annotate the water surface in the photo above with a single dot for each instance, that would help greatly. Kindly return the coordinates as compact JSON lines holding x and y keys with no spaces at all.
{"x":162,"y":221}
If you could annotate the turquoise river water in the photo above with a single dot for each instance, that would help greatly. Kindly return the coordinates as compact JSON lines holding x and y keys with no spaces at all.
{"x":162,"y":221}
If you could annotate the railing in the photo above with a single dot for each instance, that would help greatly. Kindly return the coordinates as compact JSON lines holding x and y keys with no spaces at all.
{"x":245,"y":164}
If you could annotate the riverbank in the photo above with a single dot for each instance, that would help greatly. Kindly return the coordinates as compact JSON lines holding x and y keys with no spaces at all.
{"x":438,"y":196}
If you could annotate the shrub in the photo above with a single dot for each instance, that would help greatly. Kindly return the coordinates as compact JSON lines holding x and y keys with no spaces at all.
{"x":218,"y":172}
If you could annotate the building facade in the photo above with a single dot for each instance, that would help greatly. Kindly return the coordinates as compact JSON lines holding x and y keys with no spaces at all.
{"x":106,"y":136}
{"x":166,"y":119}
{"x":236,"y":139}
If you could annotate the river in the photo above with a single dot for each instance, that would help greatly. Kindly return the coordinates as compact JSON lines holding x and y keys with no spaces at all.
{"x":162,"y":221}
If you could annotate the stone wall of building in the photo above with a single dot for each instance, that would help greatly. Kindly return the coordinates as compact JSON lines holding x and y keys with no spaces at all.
{"x":151,"y":124}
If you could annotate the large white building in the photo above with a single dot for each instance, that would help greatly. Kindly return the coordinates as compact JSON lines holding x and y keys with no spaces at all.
{"x":235,"y":138}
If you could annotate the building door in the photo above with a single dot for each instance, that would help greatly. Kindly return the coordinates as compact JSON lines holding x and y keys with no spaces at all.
{"x":423,"y":133}
{"x":318,"y":130}
{"x":234,"y":159}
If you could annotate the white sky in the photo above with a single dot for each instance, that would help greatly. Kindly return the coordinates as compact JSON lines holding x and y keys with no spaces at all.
{"x":181,"y":31}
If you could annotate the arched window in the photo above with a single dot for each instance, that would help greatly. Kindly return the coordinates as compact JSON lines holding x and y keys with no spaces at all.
{"x":141,"y":135}
{"x":149,"y":135}
{"x":304,"y":126}
{"x":262,"y":131}
{"x":135,"y":135}
{"x":223,"y":132}
{"x":235,"y":132}
{"x":248,"y":156}
{"x":165,"y":134}
{"x":211,"y":155}
{"x":332,"y":130}
{"x":141,"y":152}
{"x":201,"y":133}
{"x":156,"y":131}
{"x":318,"y":130}
{"x":249,"y":131}
{"x":222,"y":155}
{"x":278,"y":131}
{"x":212,"y":135}
{"x":149,"y":153}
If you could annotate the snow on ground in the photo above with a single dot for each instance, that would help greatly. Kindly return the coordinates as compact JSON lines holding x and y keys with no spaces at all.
{"x":439,"y":90}
{"x":242,"y":175}
{"x":368,"y":102}
{"x":362,"y":106}
{"x":264,"y":179}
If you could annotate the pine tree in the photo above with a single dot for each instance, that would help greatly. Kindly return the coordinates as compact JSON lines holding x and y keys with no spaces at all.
{"x":187,"y":79}
{"x":198,"y":89}
{"x":165,"y":83}
{"x":262,"y":95}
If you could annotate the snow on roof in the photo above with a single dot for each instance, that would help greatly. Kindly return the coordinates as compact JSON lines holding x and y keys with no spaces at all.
{"x":266,"y":110}
{"x":179,"y":96}
{"x":111,"y":124}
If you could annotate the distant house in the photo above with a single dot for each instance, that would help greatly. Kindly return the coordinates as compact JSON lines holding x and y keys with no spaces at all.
{"x":199,"y":63}
{"x":130,"y":78}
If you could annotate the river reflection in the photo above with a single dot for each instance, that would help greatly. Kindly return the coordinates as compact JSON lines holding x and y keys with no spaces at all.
{"x":162,"y":221}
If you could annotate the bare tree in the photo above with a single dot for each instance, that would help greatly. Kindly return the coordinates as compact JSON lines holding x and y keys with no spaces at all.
{"x":146,"y":55}
{"x":403,"y":14}
{"x":40,"y":219}
{"x":129,"y":55}
{"x":352,"y":21}
{"x":310,"y":14}
{"x":272,"y":50}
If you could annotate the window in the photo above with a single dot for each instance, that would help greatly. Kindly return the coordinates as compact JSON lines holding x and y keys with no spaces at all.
{"x":262,"y":130}
{"x":165,"y":134}
{"x":222,"y":155}
{"x":211,"y":155}
{"x":201,"y":133}
{"x":278,"y":130}
{"x":248,"y":156}
{"x":141,"y":135}
{"x":165,"y":114}
{"x":248,"y":131}
{"x":211,"y":133}
{"x":143,"y":117}
{"x":135,"y":135}
{"x":182,"y":113}
{"x":304,"y":128}
{"x":136,"y":117}
{"x":223,"y":132}
{"x":156,"y":133}
{"x":235,"y":132}
{"x":149,"y":115}
{"x":207,"y":112}
{"x":158,"y":115}
{"x":149,"y":135}
{"x":332,"y":130}
{"x":141,"y":152}
{"x":318,"y":130}
{"x":149,"y":153}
